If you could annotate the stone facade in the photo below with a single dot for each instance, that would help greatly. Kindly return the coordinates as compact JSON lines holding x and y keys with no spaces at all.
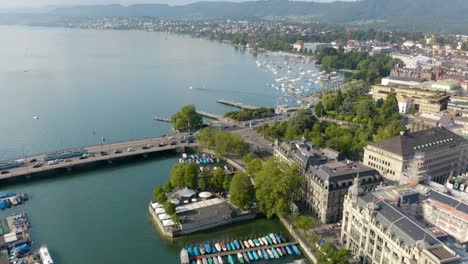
{"x":376,"y":231}
{"x":443,"y":151}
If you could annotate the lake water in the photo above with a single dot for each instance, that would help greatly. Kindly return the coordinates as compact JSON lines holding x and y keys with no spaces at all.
{"x":88,"y":84}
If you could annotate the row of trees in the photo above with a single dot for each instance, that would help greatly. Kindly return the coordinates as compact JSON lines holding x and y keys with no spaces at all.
{"x":249,"y":114}
{"x":368,"y":68}
{"x":222,"y":142}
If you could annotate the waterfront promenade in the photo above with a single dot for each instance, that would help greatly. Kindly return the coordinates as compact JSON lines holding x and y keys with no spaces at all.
{"x":126,"y":149}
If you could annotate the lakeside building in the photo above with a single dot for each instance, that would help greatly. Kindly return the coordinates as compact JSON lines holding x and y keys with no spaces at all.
{"x":424,"y":100}
{"x":381,"y":227}
{"x":326,"y":185}
{"x":198,"y":215}
{"x":440,"y":150}
{"x":298,"y":45}
{"x":328,"y":175}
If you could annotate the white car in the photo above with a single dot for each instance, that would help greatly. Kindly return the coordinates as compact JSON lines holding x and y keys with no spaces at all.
{"x":130,"y":150}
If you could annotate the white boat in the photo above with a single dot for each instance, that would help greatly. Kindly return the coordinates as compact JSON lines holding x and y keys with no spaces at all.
{"x":251,"y":243}
{"x":260,"y":254}
{"x":265,"y":241}
{"x":205,"y":261}
{"x":273,"y":238}
{"x":199,"y":261}
{"x":279,"y":251}
{"x":36,"y":117}
{"x":240,"y":257}
{"x":246,"y":244}
{"x":215,"y":260}
{"x":45,"y":256}
{"x":220,"y":259}
{"x":218,"y":247}
{"x":270,"y":253}
{"x":260,"y":241}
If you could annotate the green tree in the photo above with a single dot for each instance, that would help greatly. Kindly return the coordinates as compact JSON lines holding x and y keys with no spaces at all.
{"x":217,"y":178}
{"x":187,"y":119}
{"x":252,"y":164}
{"x":184,"y":175}
{"x":276,"y":186}
{"x":241,"y":190}
{"x":178,"y":175}
{"x":329,"y":102}
{"x":202,"y":183}
{"x":223,"y":142}
{"x":390,"y":107}
{"x":191,"y":175}
{"x":329,"y":255}
{"x":167,"y":187}
{"x":169,"y":208}
{"x":319,"y":110}
{"x":304,"y":222}
{"x":159,"y":195}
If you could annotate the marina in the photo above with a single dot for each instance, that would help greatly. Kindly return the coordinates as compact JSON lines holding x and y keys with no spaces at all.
{"x":271,"y":246}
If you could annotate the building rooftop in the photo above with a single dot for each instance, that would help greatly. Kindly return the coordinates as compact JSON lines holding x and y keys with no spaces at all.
{"x":408,"y":231}
{"x":405,"y":79}
{"x":450,"y":201}
{"x":340,"y":170}
{"x":424,"y":141}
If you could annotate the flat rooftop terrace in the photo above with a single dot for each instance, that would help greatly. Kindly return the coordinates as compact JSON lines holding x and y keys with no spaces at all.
{"x":204,"y":210}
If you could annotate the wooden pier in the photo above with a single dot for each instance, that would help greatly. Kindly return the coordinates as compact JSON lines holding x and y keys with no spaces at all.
{"x":236,"y":104}
{"x":234,"y":252}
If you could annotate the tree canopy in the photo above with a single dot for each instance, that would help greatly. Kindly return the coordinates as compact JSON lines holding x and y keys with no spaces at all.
{"x":249,"y":114}
{"x":275,"y":186}
{"x":187,"y":119}
{"x":222,"y":142}
{"x":184,"y":175}
{"x":368,"y":67}
{"x":327,"y":254}
{"x":364,"y":121}
{"x":241,"y":190}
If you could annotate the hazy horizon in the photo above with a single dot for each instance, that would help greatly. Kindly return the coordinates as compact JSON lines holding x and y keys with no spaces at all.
{"x":18,"y":4}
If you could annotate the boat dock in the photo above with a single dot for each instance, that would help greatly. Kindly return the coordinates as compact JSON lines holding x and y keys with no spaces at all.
{"x":236,"y":104}
{"x":232,"y":252}
{"x":105,"y":153}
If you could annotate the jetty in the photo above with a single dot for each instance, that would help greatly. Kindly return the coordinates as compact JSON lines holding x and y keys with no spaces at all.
{"x":162,"y":119}
{"x":236,"y":104}
{"x":232,"y":252}
{"x":66,"y":160}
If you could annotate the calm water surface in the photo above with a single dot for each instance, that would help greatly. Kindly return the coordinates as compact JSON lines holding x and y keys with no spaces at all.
{"x":112,"y":83}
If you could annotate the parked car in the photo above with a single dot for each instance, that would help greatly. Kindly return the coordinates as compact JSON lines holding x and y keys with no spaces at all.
{"x":37,"y":165}
{"x":145,"y":147}
{"x":33,"y":160}
{"x":130,"y":149}
{"x":117,"y":151}
{"x":103,"y":153}
{"x":173,"y":142}
{"x":4,"y":172}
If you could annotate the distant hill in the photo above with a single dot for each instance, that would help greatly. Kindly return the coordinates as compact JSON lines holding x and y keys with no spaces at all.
{"x":447,"y":16}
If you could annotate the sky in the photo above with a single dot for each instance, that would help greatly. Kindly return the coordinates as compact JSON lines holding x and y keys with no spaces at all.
{"x":43,"y":3}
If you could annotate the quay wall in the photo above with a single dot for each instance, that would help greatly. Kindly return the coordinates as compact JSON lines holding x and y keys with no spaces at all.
{"x":294,"y":233}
